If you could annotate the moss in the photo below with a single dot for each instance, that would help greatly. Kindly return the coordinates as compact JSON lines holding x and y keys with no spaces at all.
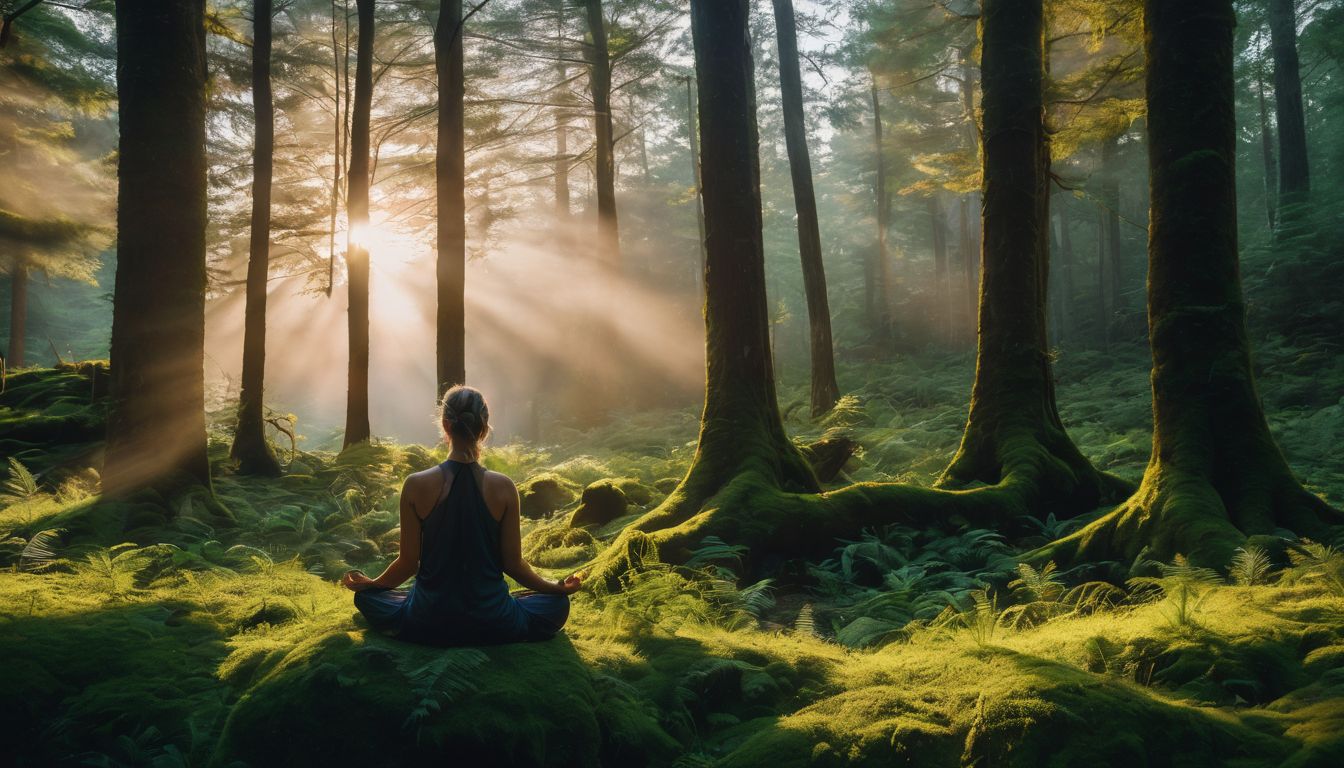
{"x":601,"y":502}
{"x":542,"y":494}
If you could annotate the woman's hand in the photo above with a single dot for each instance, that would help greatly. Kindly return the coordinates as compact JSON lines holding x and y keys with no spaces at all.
{"x":570,"y":584}
{"x":356,"y":581}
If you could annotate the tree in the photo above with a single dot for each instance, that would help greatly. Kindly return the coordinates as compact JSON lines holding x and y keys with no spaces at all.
{"x":450,"y":182}
{"x":156,"y":423}
{"x":824,"y":389}
{"x":877,"y":301}
{"x":357,"y":252}
{"x":1215,"y":475}
{"x":1013,"y":433}
{"x":604,"y":159}
{"x":741,"y":434}
{"x":1294,"y":172}
{"x":250,"y":448}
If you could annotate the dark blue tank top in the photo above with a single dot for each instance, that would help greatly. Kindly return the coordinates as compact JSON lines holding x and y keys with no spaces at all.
{"x":460,"y":594}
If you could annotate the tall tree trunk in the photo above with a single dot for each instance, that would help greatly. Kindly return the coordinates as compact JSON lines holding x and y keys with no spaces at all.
{"x":1267,"y":155}
{"x":250,"y":449}
{"x":1013,"y":434}
{"x":942,"y":318}
{"x":693,"y":140}
{"x":156,"y":424}
{"x":1110,"y":195}
{"x":450,"y":182}
{"x":877,"y":301}
{"x":337,"y":150}
{"x":18,"y":313}
{"x":824,"y":389}
{"x":742,"y":439}
{"x":357,"y":253}
{"x":1294,"y":172}
{"x":604,"y":158}
{"x":1215,"y":474}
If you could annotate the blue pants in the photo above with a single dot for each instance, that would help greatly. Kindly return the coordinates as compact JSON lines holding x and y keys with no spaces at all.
{"x":385,"y":610}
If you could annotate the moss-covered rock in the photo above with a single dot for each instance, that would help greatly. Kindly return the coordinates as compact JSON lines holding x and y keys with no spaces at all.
{"x":541,"y":495}
{"x":602,"y":502}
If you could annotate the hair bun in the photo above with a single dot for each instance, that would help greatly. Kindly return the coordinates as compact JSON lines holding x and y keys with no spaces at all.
{"x":464,"y":416}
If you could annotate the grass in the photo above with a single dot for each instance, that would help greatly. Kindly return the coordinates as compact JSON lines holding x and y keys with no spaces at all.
{"x":152,"y":631}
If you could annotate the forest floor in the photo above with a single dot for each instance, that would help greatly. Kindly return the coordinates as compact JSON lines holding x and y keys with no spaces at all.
{"x":135,"y":634}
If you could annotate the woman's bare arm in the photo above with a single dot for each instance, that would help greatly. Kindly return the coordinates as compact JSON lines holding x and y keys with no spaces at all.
{"x":408,"y":558}
{"x":511,"y":546}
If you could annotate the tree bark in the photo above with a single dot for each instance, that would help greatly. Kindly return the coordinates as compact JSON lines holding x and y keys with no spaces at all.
{"x":1215,"y":474}
{"x":357,"y":253}
{"x":825,"y":391}
{"x":969,"y":239}
{"x":1013,"y":435}
{"x":877,"y":299}
{"x":250,"y":448}
{"x":604,"y":158}
{"x":1294,"y":172}
{"x":18,"y":313}
{"x":742,"y":439}
{"x":450,"y":182}
{"x":156,"y":424}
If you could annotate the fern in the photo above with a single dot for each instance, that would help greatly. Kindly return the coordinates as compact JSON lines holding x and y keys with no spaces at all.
{"x":114,"y":566}
{"x":20,"y":486}
{"x":439,"y":681}
{"x":1315,"y":562}
{"x":1043,"y":586}
{"x":715,"y":550}
{"x":805,"y":624}
{"x":1184,"y":587}
{"x":1250,"y":566}
{"x":40,"y":551}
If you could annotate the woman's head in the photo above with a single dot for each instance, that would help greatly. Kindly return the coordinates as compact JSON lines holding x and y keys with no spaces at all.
{"x":464,"y":418}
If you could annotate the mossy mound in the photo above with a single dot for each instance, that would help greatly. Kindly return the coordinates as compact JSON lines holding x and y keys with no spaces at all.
{"x":558,"y":546}
{"x":343,"y":699}
{"x":541,"y":495}
{"x":54,"y":418}
{"x":601,"y":502}
{"x":637,"y":493}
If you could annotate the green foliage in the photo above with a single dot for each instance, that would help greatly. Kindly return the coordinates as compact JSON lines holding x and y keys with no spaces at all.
{"x":1250,"y":566}
{"x":1316,"y":563}
{"x":1183,"y":586}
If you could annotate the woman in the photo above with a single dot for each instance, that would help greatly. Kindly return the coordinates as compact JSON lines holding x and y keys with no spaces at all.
{"x":459,"y":536}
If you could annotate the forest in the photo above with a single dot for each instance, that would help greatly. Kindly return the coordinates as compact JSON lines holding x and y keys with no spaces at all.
{"x":911,"y":382}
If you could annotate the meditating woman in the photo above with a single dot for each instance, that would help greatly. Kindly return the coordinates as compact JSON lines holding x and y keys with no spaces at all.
{"x":459,"y":536}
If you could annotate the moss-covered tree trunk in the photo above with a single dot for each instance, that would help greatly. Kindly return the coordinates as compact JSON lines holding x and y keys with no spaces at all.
{"x":357,"y":252}
{"x":741,"y":435}
{"x":250,"y":448}
{"x":1215,"y":475}
{"x":18,"y":312}
{"x":824,"y":389}
{"x":450,"y":183}
{"x":156,"y":424}
{"x":1294,"y":171}
{"x":604,"y":157}
{"x":1013,"y":435}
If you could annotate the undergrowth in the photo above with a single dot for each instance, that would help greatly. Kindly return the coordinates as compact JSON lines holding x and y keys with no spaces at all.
{"x":152,"y":631}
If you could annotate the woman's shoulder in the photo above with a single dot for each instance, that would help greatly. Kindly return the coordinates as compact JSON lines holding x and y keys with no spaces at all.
{"x":498,"y":481}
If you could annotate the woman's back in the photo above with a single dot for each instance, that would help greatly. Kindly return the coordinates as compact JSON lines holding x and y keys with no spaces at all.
{"x":459,"y":587}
